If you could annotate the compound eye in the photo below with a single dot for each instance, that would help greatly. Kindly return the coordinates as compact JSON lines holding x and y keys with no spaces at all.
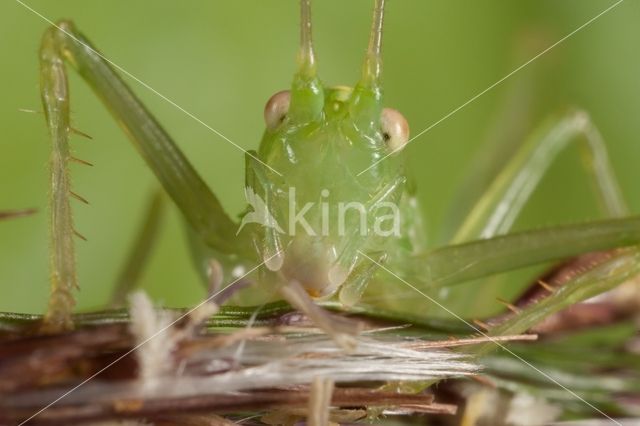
{"x":276,"y":109}
{"x":395,"y":129}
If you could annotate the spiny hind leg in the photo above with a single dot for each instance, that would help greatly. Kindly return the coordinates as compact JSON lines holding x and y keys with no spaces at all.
{"x":195,"y":200}
{"x":55,"y":98}
{"x":496,"y":211}
{"x":498,"y":208}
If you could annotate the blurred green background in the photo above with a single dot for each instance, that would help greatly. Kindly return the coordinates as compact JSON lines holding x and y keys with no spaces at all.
{"x":221,"y":60}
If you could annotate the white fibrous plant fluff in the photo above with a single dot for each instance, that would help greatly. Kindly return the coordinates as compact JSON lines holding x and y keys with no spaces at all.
{"x":486,"y":405}
{"x":154,"y":340}
{"x":229,"y":362}
{"x":156,"y":336}
{"x":256,"y":364}
{"x":529,"y":410}
{"x":264,"y":364}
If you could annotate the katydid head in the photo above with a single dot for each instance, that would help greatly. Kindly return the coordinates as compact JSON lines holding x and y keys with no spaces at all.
{"x":326,"y":142}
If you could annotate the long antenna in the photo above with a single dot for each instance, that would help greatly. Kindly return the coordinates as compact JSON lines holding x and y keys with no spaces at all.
{"x":306,"y":56}
{"x":373,"y":62}
{"x":307,"y":97}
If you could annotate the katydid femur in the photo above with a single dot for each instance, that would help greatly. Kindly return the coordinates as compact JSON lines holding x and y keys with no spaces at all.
{"x":328,"y":207}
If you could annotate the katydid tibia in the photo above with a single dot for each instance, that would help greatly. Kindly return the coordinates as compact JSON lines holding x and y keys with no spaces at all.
{"x":327,"y":189}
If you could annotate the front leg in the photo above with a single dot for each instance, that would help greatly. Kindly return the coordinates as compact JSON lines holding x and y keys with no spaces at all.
{"x":498,"y":208}
{"x":259,"y":192}
{"x":341,"y":330}
{"x":353,"y":289}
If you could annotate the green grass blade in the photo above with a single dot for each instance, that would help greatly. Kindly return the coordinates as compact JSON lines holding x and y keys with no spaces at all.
{"x":455,"y":264}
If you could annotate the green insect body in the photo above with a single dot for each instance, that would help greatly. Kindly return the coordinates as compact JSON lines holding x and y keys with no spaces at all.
{"x":333,"y":219}
{"x":317,"y":212}
{"x":332,"y":210}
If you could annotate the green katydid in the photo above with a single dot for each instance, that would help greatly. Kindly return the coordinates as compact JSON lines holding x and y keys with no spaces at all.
{"x":330,"y":198}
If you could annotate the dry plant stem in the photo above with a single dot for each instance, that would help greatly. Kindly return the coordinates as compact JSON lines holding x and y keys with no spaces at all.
{"x":452,"y":343}
{"x":23,"y":365}
{"x":193,"y":420}
{"x":606,"y":275}
{"x":610,"y":307}
{"x":297,"y":397}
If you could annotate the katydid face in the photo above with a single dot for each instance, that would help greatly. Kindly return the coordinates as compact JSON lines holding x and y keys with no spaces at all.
{"x":326,"y":142}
